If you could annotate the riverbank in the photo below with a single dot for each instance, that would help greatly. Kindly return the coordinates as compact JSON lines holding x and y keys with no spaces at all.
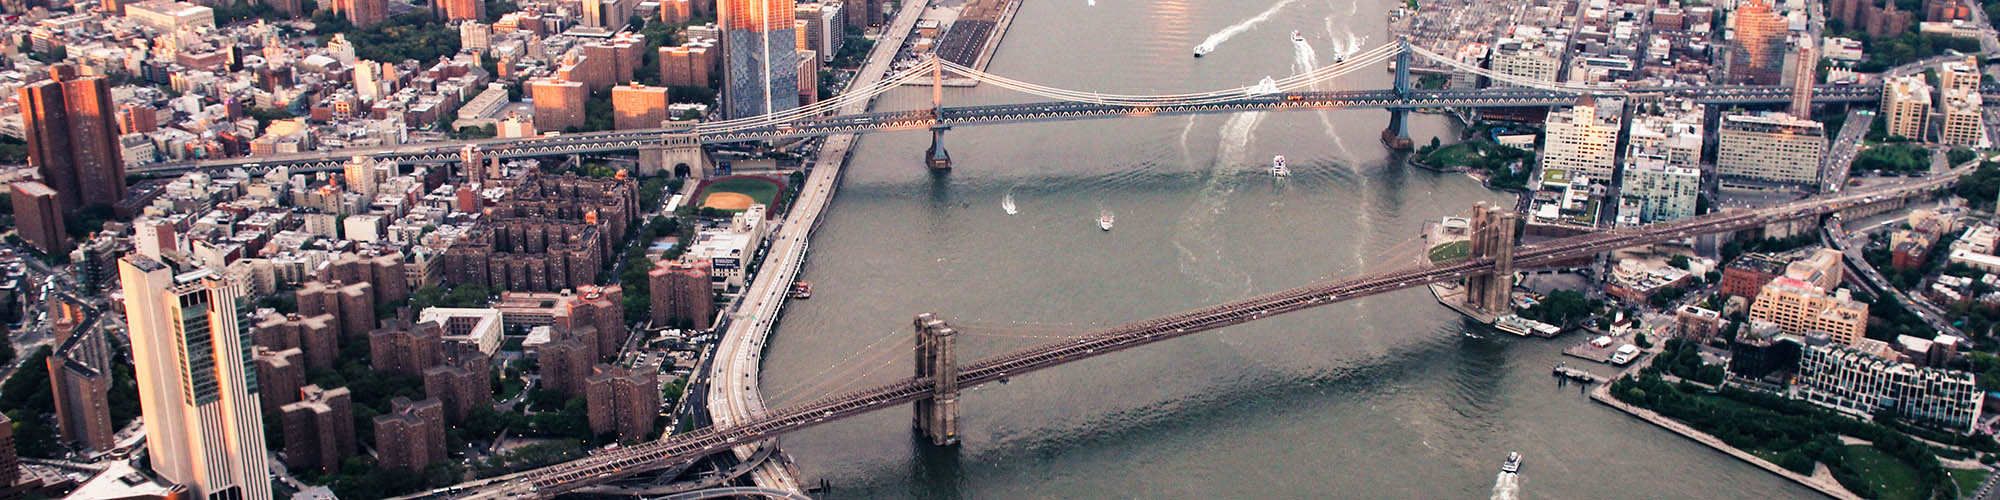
{"x":991,"y":32}
{"x":735,"y":363}
{"x":1821,"y":480}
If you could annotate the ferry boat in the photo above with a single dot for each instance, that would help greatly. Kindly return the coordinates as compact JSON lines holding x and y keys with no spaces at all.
{"x":1104,"y":221}
{"x":1278,"y":168}
{"x":1202,"y":50}
{"x":1296,"y":37}
{"x":1513,"y":464}
{"x":802,"y":290}
{"x":1524,"y":327}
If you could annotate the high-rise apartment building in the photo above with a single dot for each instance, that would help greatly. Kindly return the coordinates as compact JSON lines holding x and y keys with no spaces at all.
{"x":72,"y":138}
{"x":683,"y":294}
{"x":1662,"y":192}
{"x":1906,"y":106}
{"x":689,"y":64}
{"x":760,"y":57}
{"x":411,"y":436}
{"x":1959,"y":75}
{"x":1526,"y":55}
{"x":38,"y":217}
{"x":624,"y":401}
{"x":362,"y":13}
{"x":1862,"y":381}
{"x":638,"y":106}
{"x":80,"y":383}
{"x":204,"y":430}
{"x":1772,"y":148}
{"x":825,"y":29}
{"x":319,"y":428}
{"x":1757,"y":55}
{"x":460,"y":10}
{"x":1963,"y":112}
{"x":1804,"y":66}
{"x":566,"y":361}
{"x":317,"y":336}
{"x":280,"y":374}
{"x":1799,"y":308}
{"x":406,"y":349}
{"x":351,"y":305}
{"x":1583,"y":139}
{"x":462,"y":386}
{"x":558,"y":103}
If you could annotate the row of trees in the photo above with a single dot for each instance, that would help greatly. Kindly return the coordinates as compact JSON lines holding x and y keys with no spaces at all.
{"x":1795,"y":432}
{"x":1893,"y":158}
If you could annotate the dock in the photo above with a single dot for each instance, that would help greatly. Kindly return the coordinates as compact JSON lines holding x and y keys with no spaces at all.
{"x":1576,"y":375}
{"x":1598,"y":354}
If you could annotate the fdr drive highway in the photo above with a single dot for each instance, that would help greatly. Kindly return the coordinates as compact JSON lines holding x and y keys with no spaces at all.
{"x":609,"y":465}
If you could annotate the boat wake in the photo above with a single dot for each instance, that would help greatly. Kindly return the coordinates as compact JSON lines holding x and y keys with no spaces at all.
{"x":1507,"y":486}
{"x":1237,"y":29}
{"x":1201,"y":244}
{"x":1304,"y":60}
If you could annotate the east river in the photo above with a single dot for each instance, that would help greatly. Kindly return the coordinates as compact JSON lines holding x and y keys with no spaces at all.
{"x":1392,"y":396}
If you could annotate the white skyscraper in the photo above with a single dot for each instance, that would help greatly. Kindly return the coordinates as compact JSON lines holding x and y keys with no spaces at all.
{"x":197,"y":397}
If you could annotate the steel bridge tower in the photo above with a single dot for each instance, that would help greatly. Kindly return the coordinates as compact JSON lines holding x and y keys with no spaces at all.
{"x":1397,"y":136}
{"x":1492,"y":238}
{"x":936,"y":157}
{"x":937,"y":417}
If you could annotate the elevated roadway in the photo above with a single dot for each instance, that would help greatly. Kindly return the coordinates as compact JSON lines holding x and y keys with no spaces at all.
{"x":557,"y":479}
{"x":859,"y":121}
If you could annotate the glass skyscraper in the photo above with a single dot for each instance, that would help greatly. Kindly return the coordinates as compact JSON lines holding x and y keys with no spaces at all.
{"x":760,"y":58}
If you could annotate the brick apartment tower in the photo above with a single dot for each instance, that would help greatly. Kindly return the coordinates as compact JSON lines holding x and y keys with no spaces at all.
{"x":38,"y":217}
{"x":319,"y":428}
{"x":72,"y":137}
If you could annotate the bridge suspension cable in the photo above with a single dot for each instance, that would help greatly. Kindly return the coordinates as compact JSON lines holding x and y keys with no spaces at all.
{"x":851,"y":96}
{"x":1295,"y":82}
{"x":1517,"y":80}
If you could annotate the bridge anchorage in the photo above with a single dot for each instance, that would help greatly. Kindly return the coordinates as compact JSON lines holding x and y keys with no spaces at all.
{"x":1492,"y":238}
{"x":1397,"y":136}
{"x":936,"y":157}
{"x":937,"y":418}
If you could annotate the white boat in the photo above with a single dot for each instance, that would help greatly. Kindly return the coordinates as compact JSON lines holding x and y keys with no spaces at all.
{"x":1513,"y":464}
{"x":1278,"y":168}
{"x":1104,"y":221}
{"x":1007,"y":203}
{"x":1296,"y":37}
{"x":1513,"y":324}
{"x":1266,"y":86}
{"x":1202,"y":50}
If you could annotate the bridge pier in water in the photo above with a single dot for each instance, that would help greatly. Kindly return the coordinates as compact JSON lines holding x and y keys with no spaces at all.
{"x":937,"y":418}
{"x":1493,"y":238}
{"x":1397,"y":135}
{"x":936,"y":157}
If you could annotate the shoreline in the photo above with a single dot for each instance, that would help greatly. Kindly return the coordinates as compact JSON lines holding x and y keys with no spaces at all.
{"x":1822,"y":483}
{"x":754,"y":315}
{"x":986,"y":50}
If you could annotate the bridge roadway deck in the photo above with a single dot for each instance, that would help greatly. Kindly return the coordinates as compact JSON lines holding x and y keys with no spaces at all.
{"x":608,"y":465}
{"x":627,"y":140}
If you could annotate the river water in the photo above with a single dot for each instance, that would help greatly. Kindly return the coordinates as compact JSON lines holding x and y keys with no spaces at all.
{"x":1392,"y":396}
